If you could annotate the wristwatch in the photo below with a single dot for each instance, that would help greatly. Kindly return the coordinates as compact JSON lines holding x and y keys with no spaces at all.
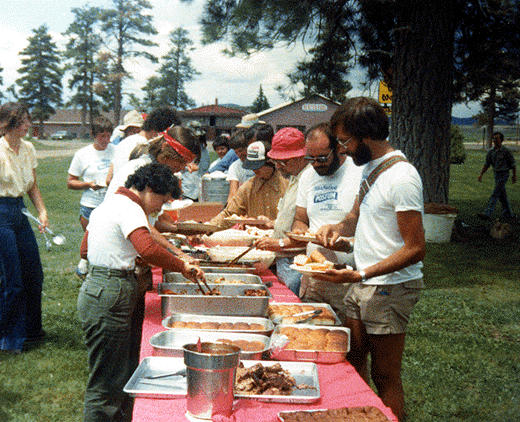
{"x":281,"y":243}
{"x":363,"y":275}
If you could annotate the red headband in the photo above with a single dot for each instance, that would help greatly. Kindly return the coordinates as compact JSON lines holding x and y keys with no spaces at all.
{"x":178,"y":147}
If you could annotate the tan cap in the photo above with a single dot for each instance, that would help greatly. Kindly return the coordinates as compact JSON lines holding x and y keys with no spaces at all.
{"x":132,"y":118}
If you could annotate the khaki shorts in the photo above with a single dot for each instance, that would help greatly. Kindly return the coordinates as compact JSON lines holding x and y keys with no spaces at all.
{"x":383,"y":309}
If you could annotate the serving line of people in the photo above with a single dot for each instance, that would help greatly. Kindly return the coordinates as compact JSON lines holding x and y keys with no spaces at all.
{"x":324,"y":170}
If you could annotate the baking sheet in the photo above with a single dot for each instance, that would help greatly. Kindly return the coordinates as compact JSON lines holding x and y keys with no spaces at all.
{"x":317,"y":356}
{"x":231,"y":302}
{"x":171,"y":342}
{"x":267,"y":323}
{"x":337,"y":321}
{"x":173,"y":277}
{"x":139,"y":385}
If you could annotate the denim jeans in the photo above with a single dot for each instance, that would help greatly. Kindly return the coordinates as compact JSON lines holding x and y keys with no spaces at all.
{"x":106,"y":305}
{"x":499,"y":194}
{"x":21,"y":277}
{"x":291,"y":278}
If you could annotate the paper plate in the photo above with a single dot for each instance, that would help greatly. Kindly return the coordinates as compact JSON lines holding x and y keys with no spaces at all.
{"x":235,"y":220}
{"x":177,"y":204}
{"x":195,"y":228}
{"x":301,"y":237}
{"x":307,"y":271}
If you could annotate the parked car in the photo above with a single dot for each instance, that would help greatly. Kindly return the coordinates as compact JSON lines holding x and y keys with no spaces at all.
{"x":62,"y":134}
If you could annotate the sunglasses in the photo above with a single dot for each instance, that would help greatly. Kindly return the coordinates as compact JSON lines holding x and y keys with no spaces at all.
{"x":318,"y":159}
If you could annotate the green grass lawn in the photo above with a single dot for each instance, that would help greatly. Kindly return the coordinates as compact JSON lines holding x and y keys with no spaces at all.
{"x":462,"y":358}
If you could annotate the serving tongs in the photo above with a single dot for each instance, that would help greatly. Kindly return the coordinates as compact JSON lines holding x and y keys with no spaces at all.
{"x":209,"y":292}
{"x":57,"y":239}
{"x":308,"y":314}
{"x":241,"y":254}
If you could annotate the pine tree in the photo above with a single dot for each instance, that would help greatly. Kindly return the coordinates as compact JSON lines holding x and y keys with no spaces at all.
{"x":41,"y":76}
{"x":125,"y":26}
{"x":260,"y":102}
{"x":81,"y":50}
{"x":176,"y":70}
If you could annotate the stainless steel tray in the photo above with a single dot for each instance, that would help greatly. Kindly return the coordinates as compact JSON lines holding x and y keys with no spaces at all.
{"x":139,"y":385}
{"x":267,"y":323}
{"x":286,"y":415}
{"x":231,"y":302}
{"x":315,"y":305}
{"x":170,"y":343}
{"x":239,"y":269}
{"x":318,"y":356}
{"x":210,"y":278}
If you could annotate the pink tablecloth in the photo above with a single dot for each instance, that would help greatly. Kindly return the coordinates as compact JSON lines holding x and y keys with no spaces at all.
{"x":340,"y":384}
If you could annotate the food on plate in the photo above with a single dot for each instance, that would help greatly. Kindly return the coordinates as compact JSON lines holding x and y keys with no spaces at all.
{"x":315,"y":262}
{"x":207,"y":325}
{"x":321,"y":339}
{"x":343,"y":414}
{"x":268,"y":380}
{"x":286,"y":314}
{"x":255,"y":292}
{"x":240,"y":217}
{"x":256,"y":232}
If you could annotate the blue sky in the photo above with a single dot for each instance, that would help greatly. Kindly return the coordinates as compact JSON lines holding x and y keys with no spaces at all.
{"x":230,"y":80}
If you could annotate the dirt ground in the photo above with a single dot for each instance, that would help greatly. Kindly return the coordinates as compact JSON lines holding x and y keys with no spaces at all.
{"x":62,"y":148}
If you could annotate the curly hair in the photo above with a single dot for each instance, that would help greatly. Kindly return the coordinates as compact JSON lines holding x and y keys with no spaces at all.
{"x":158,"y":177}
{"x":11,"y":116}
{"x":161,"y":119}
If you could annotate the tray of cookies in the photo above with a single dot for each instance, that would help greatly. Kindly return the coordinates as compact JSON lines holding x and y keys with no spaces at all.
{"x":291,"y":313}
{"x":225,"y":299}
{"x":310,"y":343}
{"x":171,"y":342}
{"x":232,"y":324}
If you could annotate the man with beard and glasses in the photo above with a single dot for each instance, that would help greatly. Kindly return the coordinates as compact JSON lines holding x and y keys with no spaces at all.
{"x":326,"y":192}
{"x":386,"y":220}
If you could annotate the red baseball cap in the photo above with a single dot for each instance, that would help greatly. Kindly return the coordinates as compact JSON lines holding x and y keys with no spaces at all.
{"x":287,"y":143}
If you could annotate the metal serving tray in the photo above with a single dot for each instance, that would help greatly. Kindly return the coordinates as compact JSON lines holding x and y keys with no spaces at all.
{"x":238,"y":269}
{"x":317,"y":356}
{"x":231,"y":302}
{"x":170,"y":343}
{"x":210,"y":278}
{"x":141,"y":385}
{"x":286,"y":415}
{"x":267,"y":323}
{"x":315,"y":305}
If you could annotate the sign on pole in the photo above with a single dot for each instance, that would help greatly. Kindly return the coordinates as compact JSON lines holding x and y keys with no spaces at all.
{"x":385,"y":94}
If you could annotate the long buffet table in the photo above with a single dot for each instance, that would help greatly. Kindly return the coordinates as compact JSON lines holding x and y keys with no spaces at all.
{"x":340,"y":384}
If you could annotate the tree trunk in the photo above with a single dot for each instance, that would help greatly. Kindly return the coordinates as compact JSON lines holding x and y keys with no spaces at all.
{"x":491,"y":107}
{"x":422,"y":100}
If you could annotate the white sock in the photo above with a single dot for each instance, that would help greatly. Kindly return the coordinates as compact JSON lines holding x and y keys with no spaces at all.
{"x":83,"y":266}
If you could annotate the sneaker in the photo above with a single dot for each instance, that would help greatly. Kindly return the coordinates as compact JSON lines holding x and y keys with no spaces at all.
{"x":81,"y":275}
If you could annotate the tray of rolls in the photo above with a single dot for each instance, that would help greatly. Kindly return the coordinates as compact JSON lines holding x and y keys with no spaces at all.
{"x":310,"y":343}
{"x":231,"y":324}
{"x":216,"y":278}
{"x":171,"y":342}
{"x":226,"y":299}
{"x":290,"y":313}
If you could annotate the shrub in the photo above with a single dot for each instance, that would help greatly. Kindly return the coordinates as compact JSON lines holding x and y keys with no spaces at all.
{"x":457,"y":149}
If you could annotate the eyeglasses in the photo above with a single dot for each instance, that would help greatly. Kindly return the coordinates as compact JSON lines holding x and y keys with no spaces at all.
{"x":319,"y":158}
{"x":344,"y":143}
{"x":281,"y":163}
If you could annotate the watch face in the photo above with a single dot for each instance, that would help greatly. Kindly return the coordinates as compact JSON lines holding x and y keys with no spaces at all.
{"x":281,"y":243}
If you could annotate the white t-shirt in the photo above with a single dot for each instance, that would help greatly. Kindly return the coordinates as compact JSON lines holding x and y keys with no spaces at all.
{"x":237,"y":172}
{"x":109,"y":226}
{"x":377,"y":234}
{"x":126,"y":170}
{"x":328,"y":199}
{"x":92,"y":165}
{"x":124,"y":148}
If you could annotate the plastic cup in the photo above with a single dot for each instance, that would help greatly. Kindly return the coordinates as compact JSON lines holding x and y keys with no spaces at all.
{"x":210,"y":377}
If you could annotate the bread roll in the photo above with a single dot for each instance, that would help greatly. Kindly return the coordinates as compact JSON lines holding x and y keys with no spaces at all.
{"x":317,"y":256}
{"x":301,"y":259}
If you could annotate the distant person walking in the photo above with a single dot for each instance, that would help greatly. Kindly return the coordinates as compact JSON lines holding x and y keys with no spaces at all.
{"x":502,"y":161}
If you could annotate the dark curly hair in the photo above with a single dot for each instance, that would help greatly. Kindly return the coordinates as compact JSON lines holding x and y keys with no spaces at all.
{"x":158,"y":177}
{"x":12,"y":116}
{"x":161,"y":119}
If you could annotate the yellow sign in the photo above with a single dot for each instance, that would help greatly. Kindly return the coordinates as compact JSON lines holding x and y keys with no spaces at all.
{"x":385,"y":94}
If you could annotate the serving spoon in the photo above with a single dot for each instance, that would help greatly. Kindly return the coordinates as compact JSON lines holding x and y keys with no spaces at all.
{"x":57,"y":239}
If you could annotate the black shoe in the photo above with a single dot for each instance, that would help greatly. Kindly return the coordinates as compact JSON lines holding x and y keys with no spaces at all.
{"x":483,"y":216}
{"x":36,"y":338}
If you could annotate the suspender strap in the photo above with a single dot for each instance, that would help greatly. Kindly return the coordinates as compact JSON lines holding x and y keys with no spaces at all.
{"x":369,"y":181}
